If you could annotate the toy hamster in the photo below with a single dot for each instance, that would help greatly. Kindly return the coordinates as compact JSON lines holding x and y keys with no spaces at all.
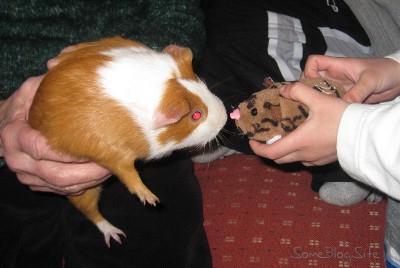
{"x":266,"y":116}
{"x":114,"y":101}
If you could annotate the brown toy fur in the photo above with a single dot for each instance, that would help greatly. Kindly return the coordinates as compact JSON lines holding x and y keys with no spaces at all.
{"x":266,"y":116}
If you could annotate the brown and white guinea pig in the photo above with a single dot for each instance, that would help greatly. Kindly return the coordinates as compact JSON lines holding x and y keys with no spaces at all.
{"x":114,"y":101}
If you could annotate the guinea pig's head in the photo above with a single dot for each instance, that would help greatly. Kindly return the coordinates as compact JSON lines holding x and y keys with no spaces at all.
{"x":188,"y":113}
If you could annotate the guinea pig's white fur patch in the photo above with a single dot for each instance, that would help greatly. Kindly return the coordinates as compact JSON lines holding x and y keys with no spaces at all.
{"x":216,"y":112}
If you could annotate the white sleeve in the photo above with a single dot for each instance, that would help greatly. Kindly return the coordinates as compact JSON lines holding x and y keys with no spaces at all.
{"x":395,"y":56}
{"x":368,"y":145}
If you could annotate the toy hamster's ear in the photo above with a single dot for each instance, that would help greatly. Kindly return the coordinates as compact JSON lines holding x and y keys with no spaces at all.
{"x":169,"y":115}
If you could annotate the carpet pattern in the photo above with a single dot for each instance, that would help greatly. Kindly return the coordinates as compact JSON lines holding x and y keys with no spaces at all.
{"x":257,"y":215}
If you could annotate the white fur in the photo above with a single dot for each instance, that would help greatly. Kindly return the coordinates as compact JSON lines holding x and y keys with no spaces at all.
{"x":109,"y":231}
{"x":136,"y":78}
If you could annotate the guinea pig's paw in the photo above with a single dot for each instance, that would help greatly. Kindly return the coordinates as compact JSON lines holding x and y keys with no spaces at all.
{"x":146,"y":196}
{"x":109,"y":231}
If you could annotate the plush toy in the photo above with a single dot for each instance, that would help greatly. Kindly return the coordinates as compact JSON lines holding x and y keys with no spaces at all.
{"x":266,"y":116}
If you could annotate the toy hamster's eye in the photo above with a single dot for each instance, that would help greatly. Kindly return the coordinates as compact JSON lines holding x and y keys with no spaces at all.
{"x":196,"y":115}
{"x":254,"y":112}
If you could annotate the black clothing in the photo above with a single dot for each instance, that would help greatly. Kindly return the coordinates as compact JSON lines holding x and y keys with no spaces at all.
{"x":40,"y":230}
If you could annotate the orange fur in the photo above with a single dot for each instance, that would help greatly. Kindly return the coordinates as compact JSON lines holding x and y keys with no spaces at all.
{"x":178,"y":100}
{"x":90,"y":49}
{"x":87,"y":204}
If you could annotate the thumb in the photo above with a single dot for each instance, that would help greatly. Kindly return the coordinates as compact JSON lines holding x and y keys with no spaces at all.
{"x":54,"y":61}
{"x":301,"y":93}
{"x":357,"y":93}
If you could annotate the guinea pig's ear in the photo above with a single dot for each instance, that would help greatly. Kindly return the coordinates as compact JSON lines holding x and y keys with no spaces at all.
{"x":169,"y":115}
{"x":179,"y":53}
{"x":183,"y":57}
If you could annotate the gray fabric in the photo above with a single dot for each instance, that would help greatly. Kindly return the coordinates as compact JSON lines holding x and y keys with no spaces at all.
{"x":392,"y":236}
{"x":286,"y":39}
{"x":340,"y":44}
{"x":381,"y":21}
{"x":343,"y":193}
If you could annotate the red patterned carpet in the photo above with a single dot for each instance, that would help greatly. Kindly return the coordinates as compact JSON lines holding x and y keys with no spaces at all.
{"x":257,"y":215}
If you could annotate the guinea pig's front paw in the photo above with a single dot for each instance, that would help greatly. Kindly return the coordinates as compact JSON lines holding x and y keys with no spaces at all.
{"x":146,"y":196}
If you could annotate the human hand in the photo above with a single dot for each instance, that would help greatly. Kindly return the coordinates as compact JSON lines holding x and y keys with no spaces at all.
{"x":314,"y":141}
{"x":368,"y":80}
{"x":30,"y":157}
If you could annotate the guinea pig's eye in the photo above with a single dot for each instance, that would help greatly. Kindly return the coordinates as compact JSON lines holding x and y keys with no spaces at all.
{"x":196,"y":115}
{"x":254,"y":112}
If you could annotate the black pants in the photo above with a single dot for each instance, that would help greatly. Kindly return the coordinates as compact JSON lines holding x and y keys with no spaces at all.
{"x":42,"y":230}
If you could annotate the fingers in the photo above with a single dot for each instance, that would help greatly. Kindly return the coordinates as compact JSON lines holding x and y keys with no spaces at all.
{"x":32,"y":82}
{"x":339,"y":70}
{"x":19,"y":137}
{"x":26,"y":94}
{"x":364,"y":87}
{"x":384,"y":96}
{"x":288,"y":152}
{"x":35,"y":145}
{"x":36,"y":184}
{"x":41,"y":168}
{"x":54,"y":61}
{"x":65,"y":179}
{"x":281,"y":151}
{"x":355,"y":95}
{"x":301,"y":93}
{"x":365,"y":79}
{"x":316,"y":65}
{"x":62,"y":175}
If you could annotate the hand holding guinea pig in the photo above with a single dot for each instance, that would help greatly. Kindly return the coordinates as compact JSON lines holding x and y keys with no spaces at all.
{"x":114,"y":101}
{"x":29,"y":156}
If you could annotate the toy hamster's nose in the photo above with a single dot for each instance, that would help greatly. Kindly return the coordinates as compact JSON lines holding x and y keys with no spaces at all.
{"x":235,"y":114}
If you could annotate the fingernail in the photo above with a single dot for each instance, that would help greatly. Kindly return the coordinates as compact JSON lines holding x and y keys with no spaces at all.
{"x":286,"y":86}
{"x":348,"y":99}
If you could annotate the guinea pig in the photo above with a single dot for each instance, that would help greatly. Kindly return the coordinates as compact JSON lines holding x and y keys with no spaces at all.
{"x":114,"y":101}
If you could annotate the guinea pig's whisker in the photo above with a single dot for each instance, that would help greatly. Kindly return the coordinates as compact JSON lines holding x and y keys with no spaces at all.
{"x":221,"y":82}
{"x":242,"y":96}
{"x":223,"y":131}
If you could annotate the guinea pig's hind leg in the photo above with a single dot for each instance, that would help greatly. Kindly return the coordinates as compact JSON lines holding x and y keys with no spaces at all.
{"x":130,"y":177}
{"x":87,"y":203}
